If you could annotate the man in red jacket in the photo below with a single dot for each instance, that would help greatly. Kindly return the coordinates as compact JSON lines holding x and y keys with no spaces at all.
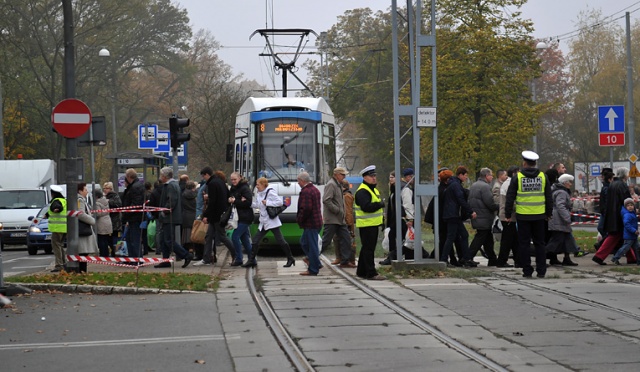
{"x":309,"y":219}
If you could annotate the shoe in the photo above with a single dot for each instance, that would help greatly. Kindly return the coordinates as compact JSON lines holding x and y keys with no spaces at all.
{"x":581,"y":253}
{"x":202,"y":263}
{"x":567,"y":262}
{"x":235,"y":263}
{"x":187,"y":260}
{"x":290,"y":261}
{"x":455,"y":263}
{"x":555,"y":262}
{"x":250,"y":263}
{"x":492,"y":263}
{"x":598,"y":260}
{"x":336,"y":261}
{"x":308,"y":273}
{"x":377,"y":277}
{"x":162,"y":265}
{"x":616,"y":261}
{"x":56,"y":270}
{"x":470,"y":263}
{"x":347,"y":265}
{"x":526,"y":275}
{"x":504,"y":265}
{"x":386,"y":261}
{"x":540,"y":276}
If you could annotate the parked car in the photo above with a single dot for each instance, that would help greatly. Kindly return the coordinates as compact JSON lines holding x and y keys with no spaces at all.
{"x":38,"y":235}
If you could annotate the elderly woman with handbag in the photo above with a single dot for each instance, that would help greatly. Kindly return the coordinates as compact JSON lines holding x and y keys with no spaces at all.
{"x":87,"y":241}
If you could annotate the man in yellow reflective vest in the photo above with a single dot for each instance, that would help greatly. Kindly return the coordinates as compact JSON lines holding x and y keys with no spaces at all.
{"x":57,"y":216}
{"x":369,"y":210}
{"x":530,"y":191}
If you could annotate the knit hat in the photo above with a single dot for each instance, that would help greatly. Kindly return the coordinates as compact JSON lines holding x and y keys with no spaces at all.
{"x":628,"y":201}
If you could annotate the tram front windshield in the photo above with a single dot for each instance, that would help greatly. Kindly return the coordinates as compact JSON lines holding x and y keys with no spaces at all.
{"x":286,"y":148}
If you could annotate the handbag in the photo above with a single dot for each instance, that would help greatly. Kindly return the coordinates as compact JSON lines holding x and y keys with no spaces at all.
{"x":84,"y":229}
{"x":224,"y":217}
{"x":273,"y":212}
{"x":198,"y":232}
{"x":409,"y":238}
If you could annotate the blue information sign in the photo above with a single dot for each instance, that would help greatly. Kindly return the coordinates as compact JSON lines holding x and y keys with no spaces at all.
{"x":147,"y":136}
{"x":595,"y":170}
{"x":610,"y":119}
{"x":182,"y":155}
{"x":163,"y":142}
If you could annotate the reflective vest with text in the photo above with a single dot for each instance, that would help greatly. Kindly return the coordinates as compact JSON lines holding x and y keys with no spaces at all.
{"x":364,"y":219}
{"x":530,"y":197}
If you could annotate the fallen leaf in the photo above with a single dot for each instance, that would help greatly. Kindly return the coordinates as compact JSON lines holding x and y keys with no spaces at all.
{"x":200,"y":361}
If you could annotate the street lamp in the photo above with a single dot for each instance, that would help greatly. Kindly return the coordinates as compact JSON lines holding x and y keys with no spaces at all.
{"x":540,"y":46}
{"x":104,"y":52}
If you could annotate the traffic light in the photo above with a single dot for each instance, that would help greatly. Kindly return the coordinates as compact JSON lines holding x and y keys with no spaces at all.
{"x":176,"y":131}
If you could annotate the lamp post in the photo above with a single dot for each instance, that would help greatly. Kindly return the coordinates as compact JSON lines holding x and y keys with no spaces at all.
{"x":540,"y":46}
{"x":104,"y":52}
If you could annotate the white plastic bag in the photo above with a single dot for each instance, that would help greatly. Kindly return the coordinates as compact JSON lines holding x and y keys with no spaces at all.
{"x":233,"y":219}
{"x":385,"y":240}
{"x":409,"y":237}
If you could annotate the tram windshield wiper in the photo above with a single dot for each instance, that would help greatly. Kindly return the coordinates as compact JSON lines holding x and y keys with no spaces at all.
{"x":273,"y":169}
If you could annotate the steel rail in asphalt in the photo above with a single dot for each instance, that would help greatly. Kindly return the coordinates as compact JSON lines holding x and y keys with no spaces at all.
{"x":295,"y":355}
{"x":439,"y":335}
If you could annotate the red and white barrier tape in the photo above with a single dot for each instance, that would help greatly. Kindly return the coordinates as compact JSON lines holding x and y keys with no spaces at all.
{"x":131,"y":209}
{"x":595,"y":198}
{"x":113,"y":261}
{"x":593,"y":216}
{"x":584,"y":223}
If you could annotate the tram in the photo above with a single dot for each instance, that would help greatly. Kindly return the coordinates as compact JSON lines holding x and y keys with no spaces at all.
{"x":277,"y":138}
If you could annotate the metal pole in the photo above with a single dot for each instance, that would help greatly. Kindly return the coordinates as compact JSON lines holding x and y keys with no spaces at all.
{"x":535,"y":130}
{"x":71,"y":143}
{"x":1,"y":132}
{"x":630,"y":117}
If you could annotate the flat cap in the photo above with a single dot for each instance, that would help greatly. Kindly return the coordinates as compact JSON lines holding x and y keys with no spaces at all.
{"x":368,"y":171}
{"x":530,"y":156}
{"x":340,"y":170}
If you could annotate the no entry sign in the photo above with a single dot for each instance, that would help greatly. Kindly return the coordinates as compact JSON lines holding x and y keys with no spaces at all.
{"x":71,"y":118}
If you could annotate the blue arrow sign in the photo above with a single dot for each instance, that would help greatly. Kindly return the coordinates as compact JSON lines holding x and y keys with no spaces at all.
{"x":163,"y":142}
{"x":610,"y":119}
{"x":147,"y":136}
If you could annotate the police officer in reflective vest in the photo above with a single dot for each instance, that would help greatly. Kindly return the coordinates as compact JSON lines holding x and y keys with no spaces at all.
{"x":530,"y":191}
{"x":369,"y":210}
{"x":57,"y":216}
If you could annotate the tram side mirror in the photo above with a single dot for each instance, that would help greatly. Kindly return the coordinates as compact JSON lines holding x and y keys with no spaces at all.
{"x":229,"y":153}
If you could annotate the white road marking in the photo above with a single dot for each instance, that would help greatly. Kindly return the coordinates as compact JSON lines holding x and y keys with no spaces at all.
{"x":145,"y":341}
{"x":29,"y":267}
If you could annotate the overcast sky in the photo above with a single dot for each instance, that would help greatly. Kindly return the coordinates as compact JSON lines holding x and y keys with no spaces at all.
{"x":232,"y":22}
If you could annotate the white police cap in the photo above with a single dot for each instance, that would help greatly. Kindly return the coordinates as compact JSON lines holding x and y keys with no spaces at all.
{"x":530,"y":156}
{"x":368,"y":171}
{"x":56,"y":188}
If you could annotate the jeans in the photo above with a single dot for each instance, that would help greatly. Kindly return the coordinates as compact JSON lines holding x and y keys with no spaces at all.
{"x":309,"y":244}
{"x":215,"y":234}
{"x":628,"y":244}
{"x":169,"y":242}
{"x":241,"y":235}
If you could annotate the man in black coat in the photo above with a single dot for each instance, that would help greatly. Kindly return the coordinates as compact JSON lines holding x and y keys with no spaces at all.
{"x":133,"y":196}
{"x":455,"y":210}
{"x":217,"y":203}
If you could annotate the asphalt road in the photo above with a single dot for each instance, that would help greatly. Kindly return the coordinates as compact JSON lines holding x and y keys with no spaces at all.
{"x":16,"y":261}
{"x":85,"y":332}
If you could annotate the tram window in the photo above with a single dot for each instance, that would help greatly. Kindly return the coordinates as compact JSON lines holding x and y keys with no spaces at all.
{"x":286,"y":148}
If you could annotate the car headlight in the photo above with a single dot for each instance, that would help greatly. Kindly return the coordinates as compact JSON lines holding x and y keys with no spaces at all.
{"x":0,"y":225}
{"x":35,"y":229}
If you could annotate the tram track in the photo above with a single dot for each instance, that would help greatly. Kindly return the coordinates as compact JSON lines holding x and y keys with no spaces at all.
{"x":301,"y":362}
